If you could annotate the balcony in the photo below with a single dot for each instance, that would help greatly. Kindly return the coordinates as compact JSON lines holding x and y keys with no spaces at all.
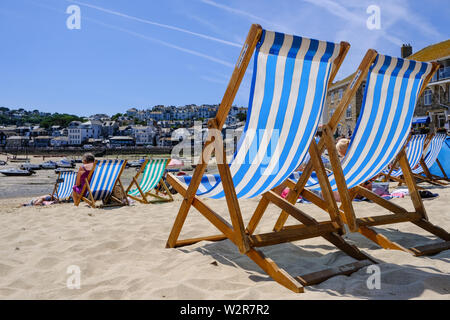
{"x":441,"y":74}
{"x":444,"y":73}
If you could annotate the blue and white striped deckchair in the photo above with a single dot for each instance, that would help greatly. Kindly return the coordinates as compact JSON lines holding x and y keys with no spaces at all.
{"x":102,"y":180}
{"x":414,"y":153}
{"x":64,"y":185}
{"x":433,"y":150}
{"x":289,"y":85}
{"x":393,"y":86}
{"x":390,"y":96}
{"x":288,"y":92}
{"x":152,"y":175}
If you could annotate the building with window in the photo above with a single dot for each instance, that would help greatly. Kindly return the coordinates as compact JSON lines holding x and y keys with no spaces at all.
{"x":434,"y":103}
{"x":42,"y":141}
{"x":59,"y":142}
{"x":17,"y":142}
{"x":80,"y":132}
{"x":121,"y":141}
{"x":144,"y":135}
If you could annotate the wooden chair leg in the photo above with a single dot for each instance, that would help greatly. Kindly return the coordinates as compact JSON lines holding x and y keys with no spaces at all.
{"x":341,"y":184}
{"x":412,"y":186}
{"x":381,"y":240}
{"x":442,"y":169}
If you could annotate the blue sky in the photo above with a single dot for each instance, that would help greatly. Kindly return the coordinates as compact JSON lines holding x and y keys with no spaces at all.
{"x":141,"y":53}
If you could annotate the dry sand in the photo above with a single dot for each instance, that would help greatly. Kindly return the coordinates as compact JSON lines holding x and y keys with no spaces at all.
{"x":121,"y":255}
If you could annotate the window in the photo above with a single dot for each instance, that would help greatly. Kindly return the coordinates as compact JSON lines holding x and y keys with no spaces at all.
{"x":331,"y":113}
{"x":441,"y":120}
{"x":341,"y":91}
{"x":427,"y":97}
{"x":348,"y":113}
{"x":332,"y":97}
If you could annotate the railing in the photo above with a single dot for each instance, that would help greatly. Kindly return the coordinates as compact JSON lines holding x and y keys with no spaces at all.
{"x":442,"y":74}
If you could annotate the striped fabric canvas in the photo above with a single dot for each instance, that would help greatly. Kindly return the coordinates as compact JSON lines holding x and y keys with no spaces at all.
{"x":390,"y":96}
{"x":104,"y":177}
{"x":64,"y":189}
{"x":288,"y":90}
{"x":151,"y":175}
{"x":414,"y":153}
{"x":434,"y":148}
{"x":207,"y":183}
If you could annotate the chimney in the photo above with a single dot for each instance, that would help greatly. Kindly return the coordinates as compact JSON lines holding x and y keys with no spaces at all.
{"x":406,"y":50}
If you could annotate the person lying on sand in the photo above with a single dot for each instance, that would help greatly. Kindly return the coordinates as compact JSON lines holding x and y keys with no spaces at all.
{"x":83,"y":173}
{"x":40,"y":201}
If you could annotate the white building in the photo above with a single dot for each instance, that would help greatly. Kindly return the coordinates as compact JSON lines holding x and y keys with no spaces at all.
{"x":80,"y":132}
{"x":144,"y":135}
{"x":76,"y":134}
{"x":59,"y":142}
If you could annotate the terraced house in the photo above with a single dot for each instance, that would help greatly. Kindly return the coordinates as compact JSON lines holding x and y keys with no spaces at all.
{"x":432,"y":109}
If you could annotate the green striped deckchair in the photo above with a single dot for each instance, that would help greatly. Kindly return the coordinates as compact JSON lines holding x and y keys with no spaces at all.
{"x":152,"y":174}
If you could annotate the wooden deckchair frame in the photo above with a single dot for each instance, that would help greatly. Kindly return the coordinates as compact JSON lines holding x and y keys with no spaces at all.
{"x":429,"y":177}
{"x":91,"y":200}
{"x":363,"y":225}
{"x":432,"y":179}
{"x":394,"y":166}
{"x":243,"y":237}
{"x":144,"y":195}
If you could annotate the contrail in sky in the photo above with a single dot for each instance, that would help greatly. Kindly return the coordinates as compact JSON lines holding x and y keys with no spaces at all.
{"x":142,"y":36}
{"x":164,"y":43}
{"x":166,"y":26}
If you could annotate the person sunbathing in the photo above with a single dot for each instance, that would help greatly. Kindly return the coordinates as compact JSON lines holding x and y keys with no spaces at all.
{"x":83,"y":173}
{"x":41,"y":201}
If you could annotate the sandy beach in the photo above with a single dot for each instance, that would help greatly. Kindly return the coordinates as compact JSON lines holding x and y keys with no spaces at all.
{"x":121,"y":254}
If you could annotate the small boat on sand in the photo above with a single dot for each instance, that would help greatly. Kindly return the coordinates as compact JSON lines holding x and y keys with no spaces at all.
{"x":64,"y":163}
{"x":49,"y":165}
{"x":30,"y":166}
{"x":135,"y":163}
{"x":17,"y":172}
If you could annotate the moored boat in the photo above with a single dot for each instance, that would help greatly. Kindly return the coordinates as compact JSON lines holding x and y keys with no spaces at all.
{"x":64,"y":163}
{"x":30,"y":166}
{"x":49,"y":165}
{"x":136,"y":163}
{"x":17,"y":172}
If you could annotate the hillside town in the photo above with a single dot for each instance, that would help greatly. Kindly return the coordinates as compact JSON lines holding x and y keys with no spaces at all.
{"x":153,"y":127}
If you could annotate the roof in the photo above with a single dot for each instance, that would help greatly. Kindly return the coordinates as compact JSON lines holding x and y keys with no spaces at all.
{"x":431,"y":53}
{"x":343,"y":81}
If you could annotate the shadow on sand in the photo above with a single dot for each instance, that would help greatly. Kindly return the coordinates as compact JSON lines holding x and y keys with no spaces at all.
{"x":397,"y":281}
